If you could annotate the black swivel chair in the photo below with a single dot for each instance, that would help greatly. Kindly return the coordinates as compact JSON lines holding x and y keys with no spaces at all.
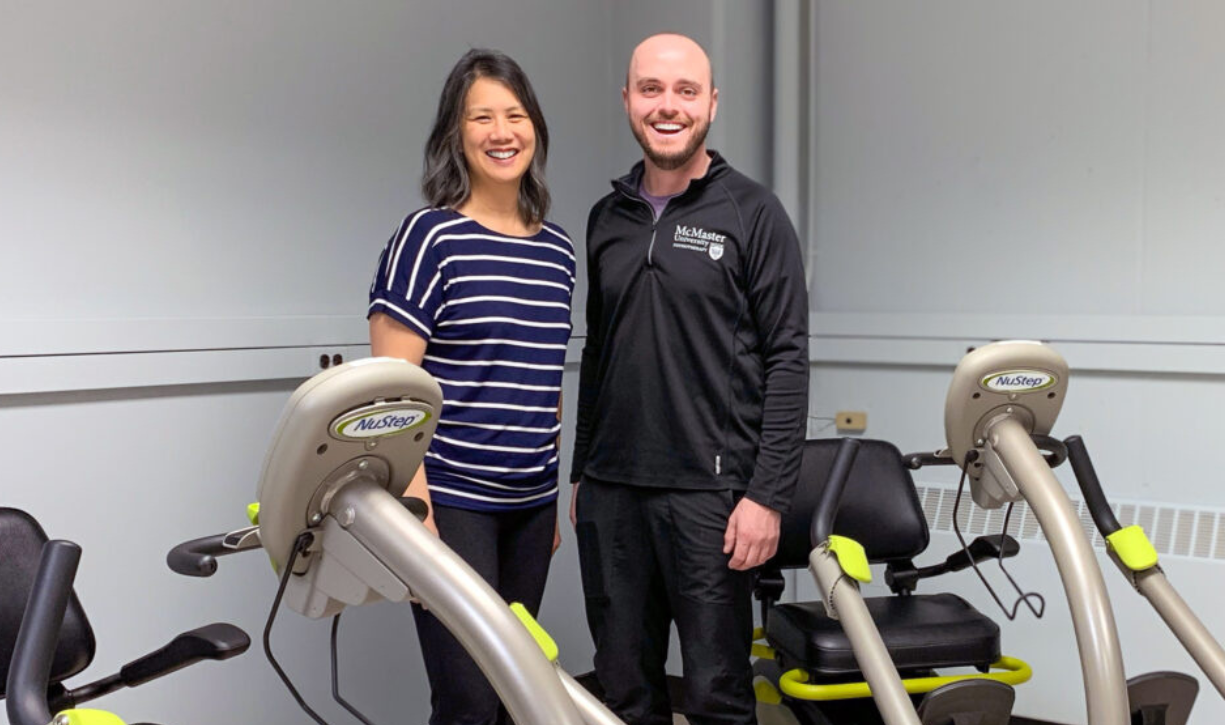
{"x":924,"y":633}
{"x":22,"y":544}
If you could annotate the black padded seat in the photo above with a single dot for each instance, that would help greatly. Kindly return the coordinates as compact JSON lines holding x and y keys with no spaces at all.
{"x":21,"y":545}
{"x":922,"y":633}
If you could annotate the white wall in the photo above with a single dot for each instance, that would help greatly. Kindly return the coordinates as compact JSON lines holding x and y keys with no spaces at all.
{"x":248,"y":161}
{"x":192,"y":199}
{"x":1047,"y":171}
{"x":977,"y":171}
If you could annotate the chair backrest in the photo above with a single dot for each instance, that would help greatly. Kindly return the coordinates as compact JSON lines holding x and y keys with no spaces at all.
{"x":21,"y":543}
{"x":880,"y":507}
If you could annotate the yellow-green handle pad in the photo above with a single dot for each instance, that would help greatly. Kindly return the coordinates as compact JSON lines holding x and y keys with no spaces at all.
{"x":86,"y":717}
{"x":851,"y":558}
{"x":547,"y":645}
{"x":1133,"y":548}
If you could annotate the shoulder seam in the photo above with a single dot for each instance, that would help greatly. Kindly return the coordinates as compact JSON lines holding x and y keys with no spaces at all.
{"x":744,"y":232}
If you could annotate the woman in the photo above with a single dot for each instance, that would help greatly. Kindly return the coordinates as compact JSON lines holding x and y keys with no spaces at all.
{"x":476,"y":289}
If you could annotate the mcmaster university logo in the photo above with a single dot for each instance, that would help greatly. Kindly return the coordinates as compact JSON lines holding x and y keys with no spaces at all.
{"x":699,"y":240}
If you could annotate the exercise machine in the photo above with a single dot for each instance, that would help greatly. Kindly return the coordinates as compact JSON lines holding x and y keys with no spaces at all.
{"x":1001,"y":406}
{"x":338,"y":534}
{"x":45,"y":637}
{"x":1003,"y":395}
{"x":1136,"y":558}
{"x":846,"y":658}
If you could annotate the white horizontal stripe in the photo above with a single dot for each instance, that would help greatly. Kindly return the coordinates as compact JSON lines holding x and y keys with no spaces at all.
{"x":511,"y":320}
{"x":492,"y":384}
{"x":398,"y":246}
{"x":502,"y":278}
{"x":496,"y":298}
{"x":397,"y":308}
{"x":507,"y":240}
{"x":485,"y":447}
{"x":500,"y":341}
{"x":493,"y":363}
{"x":502,"y":486}
{"x":492,"y":499}
{"x":379,"y":271}
{"x":492,"y":426}
{"x":412,"y":280}
{"x":501,"y":406}
{"x":429,"y":289}
{"x":559,"y":235}
{"x":508,"y":260}
{"x":495,"y":469}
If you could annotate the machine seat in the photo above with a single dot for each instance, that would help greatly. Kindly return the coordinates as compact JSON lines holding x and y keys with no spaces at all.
{"x":922,"y":633}
{"x":21,"y":544}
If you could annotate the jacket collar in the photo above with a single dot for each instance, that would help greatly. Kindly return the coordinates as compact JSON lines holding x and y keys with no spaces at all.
{"x":632,"y":182}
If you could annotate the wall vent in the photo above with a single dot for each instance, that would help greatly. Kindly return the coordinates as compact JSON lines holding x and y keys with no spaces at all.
{"x":1188,"y":531}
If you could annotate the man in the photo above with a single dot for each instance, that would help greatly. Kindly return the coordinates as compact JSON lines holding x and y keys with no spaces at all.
{"x":692,"y":403}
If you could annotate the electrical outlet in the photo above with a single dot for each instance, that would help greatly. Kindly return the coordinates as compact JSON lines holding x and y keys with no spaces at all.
{"x":851,"y":421}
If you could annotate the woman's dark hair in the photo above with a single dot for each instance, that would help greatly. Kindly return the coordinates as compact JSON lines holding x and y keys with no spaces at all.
{"x":445,"y":181}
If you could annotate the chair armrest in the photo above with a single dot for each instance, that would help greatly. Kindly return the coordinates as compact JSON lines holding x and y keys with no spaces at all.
{"x":211,"y":642}
{"x":904,"y":577}
{"x":980,"y":549}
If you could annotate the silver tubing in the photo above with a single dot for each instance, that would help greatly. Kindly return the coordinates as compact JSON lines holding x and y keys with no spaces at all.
{"x":506,"y":653}
{"x":1097,"y":636}
{"x":842,"y":593}
{"x":589,"y":706}
{"x":1195,"y":637}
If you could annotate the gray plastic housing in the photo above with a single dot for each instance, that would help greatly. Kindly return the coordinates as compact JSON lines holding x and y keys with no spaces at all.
{"x":368,"y":420}
{"x":1021,"y":379}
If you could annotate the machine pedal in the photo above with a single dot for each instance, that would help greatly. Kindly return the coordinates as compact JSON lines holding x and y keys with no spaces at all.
{"x":1161,"y":698}
{"x":969,"y":702}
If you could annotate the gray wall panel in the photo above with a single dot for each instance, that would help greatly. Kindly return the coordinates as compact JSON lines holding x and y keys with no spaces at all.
{"x":237,"y":161}
{"x":206,"y":189}
{"x":1184,"y":209}
{"x":964,"y":147}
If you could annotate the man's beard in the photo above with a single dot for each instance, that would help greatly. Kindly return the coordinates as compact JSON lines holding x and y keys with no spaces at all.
{"x":677,"y":159}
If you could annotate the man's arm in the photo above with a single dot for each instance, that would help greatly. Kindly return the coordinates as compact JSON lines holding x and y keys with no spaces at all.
{"x":778,"y":304}
{"x":589,"y":369}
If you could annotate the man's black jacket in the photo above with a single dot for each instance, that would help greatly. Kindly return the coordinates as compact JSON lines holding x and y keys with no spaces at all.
{"x":695,"y":368}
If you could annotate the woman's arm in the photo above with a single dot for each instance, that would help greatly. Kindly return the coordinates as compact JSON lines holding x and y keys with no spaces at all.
{"x":557,"y":445}
{"x":389,"y":338}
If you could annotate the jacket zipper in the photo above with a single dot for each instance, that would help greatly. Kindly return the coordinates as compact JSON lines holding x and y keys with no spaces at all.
{"x":654,"y":222}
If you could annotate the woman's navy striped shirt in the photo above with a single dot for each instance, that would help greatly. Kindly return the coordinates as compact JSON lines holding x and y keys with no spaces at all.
{"x":495,"y":312}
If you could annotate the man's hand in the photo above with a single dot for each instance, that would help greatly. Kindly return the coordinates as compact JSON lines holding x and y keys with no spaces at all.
{"x":752,"y":535}
{"x":574,"y":504}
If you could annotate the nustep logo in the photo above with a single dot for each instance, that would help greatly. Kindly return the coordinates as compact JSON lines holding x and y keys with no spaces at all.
{"x":1019,"y":381}
{"x":379,"y":421}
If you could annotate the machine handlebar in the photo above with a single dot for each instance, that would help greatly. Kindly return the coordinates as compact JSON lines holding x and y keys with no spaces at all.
{"x":34,"y":651}
{"x":831,"y":497}
{"x":197,"y":557}
{"x":1055,"y":453}
{"x":1090,"y":486}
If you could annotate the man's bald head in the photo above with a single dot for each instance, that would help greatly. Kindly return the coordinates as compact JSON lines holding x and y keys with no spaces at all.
{"x":672,"y":48}
{"x":670,"y":100}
